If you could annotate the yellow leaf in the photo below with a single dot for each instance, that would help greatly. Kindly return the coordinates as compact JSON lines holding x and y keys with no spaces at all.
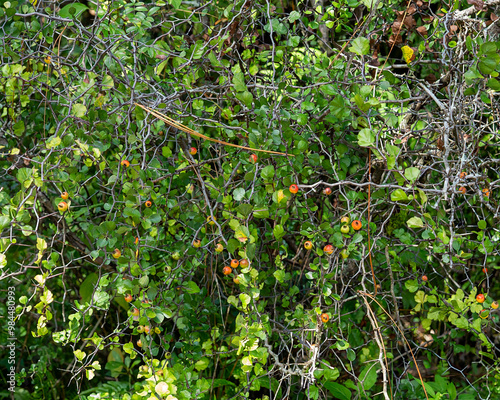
{"x":408,"y":54}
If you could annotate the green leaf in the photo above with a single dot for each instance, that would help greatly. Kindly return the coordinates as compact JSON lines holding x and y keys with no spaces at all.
{"x":366,"y":138}
{"x":368,"y":376}
{"x":87,"y":287}
{"x":294,"y":16}
{"x":202,"y":364}
{"x":278,"y":232}
{"x":411,"y":285}
{"x":18,"y":128}
{"x":482,"y":224}
{"x":412,"y":174}
{"x":78,"y":110}
{"x":360,"y":46}
{"x":239,"y":82}
{"x":415,"y":222}
{"x":239,"y":194}
{"x":268,"y":173}
{"x":338,"y":391}
{"x":399,"y":195}
{"x":279,"y":275}
{"x":494,"y":84}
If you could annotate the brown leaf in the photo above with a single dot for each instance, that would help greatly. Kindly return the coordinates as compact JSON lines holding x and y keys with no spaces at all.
{"x":478,"y":4}
{"x":493,"y":17}
{"x":393,"y":39}
{"x":410,"y":22}
{"x":422,"y":30}
{"x":412,"y":9}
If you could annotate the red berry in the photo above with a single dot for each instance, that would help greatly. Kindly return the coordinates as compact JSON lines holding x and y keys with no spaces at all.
{"x":294,"y":188}
{"x":227,"y":270}
{"x":253,"y":158}
{"x":480,"y":298}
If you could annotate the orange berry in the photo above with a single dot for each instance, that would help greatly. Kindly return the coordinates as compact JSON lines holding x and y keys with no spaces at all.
{"x":128,"y":298}
{"x":64,"y":195}
{"x":227,"y":270}
{"x":234,"y":263}
{"x":356,"y":225}
{"x":219,"y":248}
{"x":62,"y":206}
{"x":327,"y":191}
{"x":294,"y":188}
{"x":148,"y":204}
{"x":117,"y":253}
{"x":308,"y":245}
{"x":328,"y":249}
{"x":494,"y":305}
{"x":193,"y":151}
{"x":480,"y":298}
{"x":325,"y":318}
{"x":485,"y":270}
{"x":463,"y":174}
{"x":462,"y":190}
{"x":125,"y":163}
{"x":486,"y":192}
{"x":244,"y":263}
{"x":253,"y":158}
{"x":196,"y":243}
{"x":424,"y":278}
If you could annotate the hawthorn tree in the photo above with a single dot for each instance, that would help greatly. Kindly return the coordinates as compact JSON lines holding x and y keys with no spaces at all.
{"x":151,"y":233}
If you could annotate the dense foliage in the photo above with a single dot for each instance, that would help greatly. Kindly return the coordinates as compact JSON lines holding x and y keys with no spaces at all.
{"x":115,"y":232}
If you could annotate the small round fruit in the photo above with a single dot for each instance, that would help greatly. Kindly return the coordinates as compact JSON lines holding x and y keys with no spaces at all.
{"x":211,"y":220}
{"x":325,"y":318}
{"x":344,"y":254}
{"x":327,"y":191}
{"x":485,"y":270}
{"x":219,"y":248}
{"x":328,"y":249}
{"x":356,"y":225}
{"x":480,"y":298}
{"x":196,"y":243}
{"x":157,"y":330}
{"x":139,"y":343}
{"x":253,"y":158}
{"x":227,"y":270}
{"x":135,"y":312}
{"x":486,"y":192}
{"x":64,"y":195}
{"x":294,"y":189}
{"x":463,"y":174}
{"x":424,"y":278}
{"x":117,"y":253}
{"x":176,"y":256}
{"x":234,"y":263}
{"x":244,"y":263}
{"x":345,"y":220}
{"x":462,"y":190}
{"x":128,"y":298}
{"x":125,"y":163}
{"x":140,"y":329}
{"x":62,"y":206}
{"x":308,"y":245}
{"x":193,"y":151}
{"x":494,"y":305}
{"x":147,"y":329}
{"x":344,"y":229}
{"x":236,"y":280}
{"x":148,"y":204}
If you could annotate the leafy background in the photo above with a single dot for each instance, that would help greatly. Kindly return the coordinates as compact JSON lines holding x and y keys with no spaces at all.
{"x":391,"y":105}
